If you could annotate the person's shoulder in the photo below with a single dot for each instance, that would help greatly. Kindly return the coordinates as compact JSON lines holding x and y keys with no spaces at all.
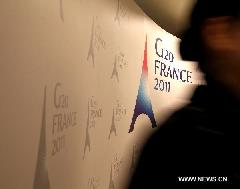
{"x":183,"y":117}
{"x":182,"y":121}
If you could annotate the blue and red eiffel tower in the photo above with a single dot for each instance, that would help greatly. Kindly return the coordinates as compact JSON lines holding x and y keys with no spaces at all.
{"x":143,"y":102}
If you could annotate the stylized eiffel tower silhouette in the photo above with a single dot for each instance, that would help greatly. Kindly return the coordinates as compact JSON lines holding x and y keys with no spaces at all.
{"x":133,"y":163}
{"x":111,"y":183}
{"x":115,"y":72}
{"x":143,"y":102}
{"x":41,"y":179}
{"x":92,"y":186}
{"x":61,"y":10}
{"x":87,"y":140}
{"x":117,"y":18}
{"x":91,"y":52}
{"x":113,"y":126}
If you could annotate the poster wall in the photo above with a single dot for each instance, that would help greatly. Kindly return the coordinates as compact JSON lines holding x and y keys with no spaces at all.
{"x":83,"y":84}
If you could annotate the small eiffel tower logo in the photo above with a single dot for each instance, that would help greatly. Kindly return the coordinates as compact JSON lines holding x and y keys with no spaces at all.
{"x":115,"y":72}
{"x":113,"y":127}
{"x":87,"y":140}
{"x":92,"y":185}
{"x":91,"y":52}
{"x":117,"y":18}
{"x":111,"y":183}
{"x":61,"y":10}
{"x":133,"y":163}
{"x":41,"y":179}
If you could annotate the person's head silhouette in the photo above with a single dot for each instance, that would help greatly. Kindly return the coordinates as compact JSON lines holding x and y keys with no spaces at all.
{"x":213,"y":39}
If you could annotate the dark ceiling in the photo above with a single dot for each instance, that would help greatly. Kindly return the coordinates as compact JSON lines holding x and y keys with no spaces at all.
{"x":171,"y":15}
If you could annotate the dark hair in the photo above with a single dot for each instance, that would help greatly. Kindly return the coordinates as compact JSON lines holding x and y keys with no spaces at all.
{"x":191,"y":44}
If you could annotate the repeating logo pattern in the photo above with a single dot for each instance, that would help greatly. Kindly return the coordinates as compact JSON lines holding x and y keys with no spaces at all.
{"x":87,"y":139}
{"x":41,"y":179}
{"x":96,"y":41}
{"x":113,"y":126}
{"x":117,"y":16}
{"x":143,"y":104}
{"x":91,"y":52}
{"x":93,"y":183}
{"x":93,"y":113}
{"x":135,"y":154}
{"x":111,"y":182}
{"x":115,"y":70}
{"x":121,"y":12}
{"x":117,"y":163}
{"x":120,"y":111}
{"x":120,"y":62}
{"x":61,"y":10}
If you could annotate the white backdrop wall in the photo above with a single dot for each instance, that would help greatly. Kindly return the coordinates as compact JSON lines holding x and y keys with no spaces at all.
{"x":70,"y":77}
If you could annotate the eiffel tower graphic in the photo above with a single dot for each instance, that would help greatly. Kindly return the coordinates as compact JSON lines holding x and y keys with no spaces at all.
{"x":61,"y":10}
{"x":113,"y":127}
{"x":91,"y":52}
{"x":111,"y":183}
{"x":41,"y":179}
{"x":115,"y":72}
{"x":92,"y":185}
{"x":133,"y":163}
{"x":87,"y":140}
{"x":143,"y":102}
{"x":117,"y":18}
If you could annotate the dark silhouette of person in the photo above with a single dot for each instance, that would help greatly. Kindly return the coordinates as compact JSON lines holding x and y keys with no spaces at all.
{"x":199,"y":143}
